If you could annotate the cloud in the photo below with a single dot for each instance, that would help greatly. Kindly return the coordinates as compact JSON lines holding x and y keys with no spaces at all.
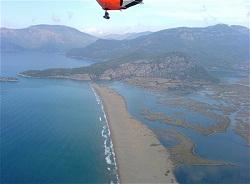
{"x":93,"y":31}
{"x":70,"y":14}
{"x":204,"y":8}
{"x":56,"y":18}
{"x":210,"y":20}
{"x":223,"y":10}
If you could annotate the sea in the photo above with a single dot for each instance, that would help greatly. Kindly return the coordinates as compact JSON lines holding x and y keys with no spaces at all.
{"x":55,"y":130}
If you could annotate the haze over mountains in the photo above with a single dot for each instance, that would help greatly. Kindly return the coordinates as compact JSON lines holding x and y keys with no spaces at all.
{"x":44,"y":38}
{"x":217,"y":48}
{"x":52,"y":38}
{"x":127,"y":36}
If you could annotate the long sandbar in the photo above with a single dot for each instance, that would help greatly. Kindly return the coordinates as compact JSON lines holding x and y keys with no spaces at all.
{"x":141,"y":158}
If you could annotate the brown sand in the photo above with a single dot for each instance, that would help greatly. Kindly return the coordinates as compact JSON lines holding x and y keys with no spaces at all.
{"x":140,"y":156}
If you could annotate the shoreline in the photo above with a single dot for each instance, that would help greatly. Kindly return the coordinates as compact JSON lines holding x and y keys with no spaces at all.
{"x":140,"y":157}
{"x":159,"y":117}
{"x":8,"y":79}
{"x":72,"y":77}
{"x":184,"y":151}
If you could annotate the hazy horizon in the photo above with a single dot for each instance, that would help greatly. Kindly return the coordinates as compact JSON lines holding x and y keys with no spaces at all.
{"x":153,"y":16}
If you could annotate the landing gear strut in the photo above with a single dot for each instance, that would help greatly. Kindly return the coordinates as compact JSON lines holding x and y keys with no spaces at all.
{"x":106,"y":15}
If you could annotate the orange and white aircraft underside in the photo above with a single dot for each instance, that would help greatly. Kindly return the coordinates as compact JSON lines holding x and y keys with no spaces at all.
{"x":116,"y":5}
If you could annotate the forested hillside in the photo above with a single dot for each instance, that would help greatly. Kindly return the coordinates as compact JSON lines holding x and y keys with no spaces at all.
{"x":219,"y":47}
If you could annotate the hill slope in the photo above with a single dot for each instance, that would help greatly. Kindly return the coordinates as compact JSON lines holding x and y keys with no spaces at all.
{"x":127,"y":36}
{"x":174,"y":65}
{"x":9,"y":46}
{"x":218,"y":47}
{"x":45,"y":38}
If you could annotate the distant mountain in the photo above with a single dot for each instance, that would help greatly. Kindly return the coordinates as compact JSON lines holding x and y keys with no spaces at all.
{"x":219,"y":47}
{"x":45,"y":38}
{"x":127,"y":36}
{"x":116,"y":36}
{"x":136,"y":35}
{"x":174,"y":65}
{"x":9,"y":46}
{"x":241,"y":29}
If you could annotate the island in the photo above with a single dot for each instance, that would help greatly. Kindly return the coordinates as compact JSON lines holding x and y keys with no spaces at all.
{"x":9,"y":79}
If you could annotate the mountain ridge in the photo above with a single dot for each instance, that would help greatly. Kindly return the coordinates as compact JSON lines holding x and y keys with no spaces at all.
{"x":45,"y":38}
{"x":127,"y":36}
{"x":216,"y":47}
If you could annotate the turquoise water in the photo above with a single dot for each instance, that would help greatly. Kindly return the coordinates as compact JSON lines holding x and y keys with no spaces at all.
{"x":55,"y":131}
{"x":52,"y":130}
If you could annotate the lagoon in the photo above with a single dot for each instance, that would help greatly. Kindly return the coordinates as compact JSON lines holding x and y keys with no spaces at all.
{"x":227,"y":147}
{"x":52,"y":130}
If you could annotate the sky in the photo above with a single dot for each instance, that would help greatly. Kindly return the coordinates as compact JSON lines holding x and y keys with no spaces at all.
{"x":152,"y":15}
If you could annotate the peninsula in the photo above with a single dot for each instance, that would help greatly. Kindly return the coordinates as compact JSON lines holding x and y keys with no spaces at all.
{"x":169,"y":70}
{"x":141,"y":158}
{"x":183,"y":150}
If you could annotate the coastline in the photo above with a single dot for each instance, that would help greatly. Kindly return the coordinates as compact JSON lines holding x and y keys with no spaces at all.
{"x":181,"y":122}
{"x":83,"y":77}
{"x":8,"y":79}
{"x":183,"y":152}
{"x":141,"y":158}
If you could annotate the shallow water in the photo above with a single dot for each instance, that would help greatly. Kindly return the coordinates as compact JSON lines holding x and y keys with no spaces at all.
{"x":227,"y":147}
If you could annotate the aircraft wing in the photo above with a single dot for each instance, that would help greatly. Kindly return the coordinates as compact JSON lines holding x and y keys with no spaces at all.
{"x":127,"y":4}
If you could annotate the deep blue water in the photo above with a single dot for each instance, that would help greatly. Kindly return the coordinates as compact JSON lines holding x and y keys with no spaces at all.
{"x":15,"y":62}
{"x":52,"y":130}
{"x":55,"y":131}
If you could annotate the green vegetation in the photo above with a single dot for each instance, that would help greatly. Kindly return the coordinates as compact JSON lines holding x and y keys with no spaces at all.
{"x":221,"y":123}
{"x":96,"y":69}
{"x":219,"y":47}
{"x":183,"y":150}
{"x":140,"y":63}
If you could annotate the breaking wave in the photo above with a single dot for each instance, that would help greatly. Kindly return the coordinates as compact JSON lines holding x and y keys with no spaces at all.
{"x":108,"y":144}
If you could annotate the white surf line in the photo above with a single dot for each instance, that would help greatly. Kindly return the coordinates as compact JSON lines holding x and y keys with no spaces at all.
{"x":109,"y":151}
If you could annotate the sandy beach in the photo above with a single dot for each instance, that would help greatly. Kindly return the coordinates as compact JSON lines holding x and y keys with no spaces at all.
{"x":140,"y":156}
